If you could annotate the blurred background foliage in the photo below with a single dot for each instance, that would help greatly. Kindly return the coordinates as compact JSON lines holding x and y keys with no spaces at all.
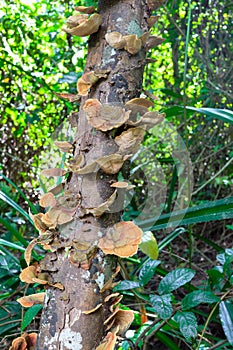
{"x":39,"y":60}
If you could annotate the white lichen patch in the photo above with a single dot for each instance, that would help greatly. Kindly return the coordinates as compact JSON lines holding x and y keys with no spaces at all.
{"x":70,"y":340}
{"x":100,"y":280}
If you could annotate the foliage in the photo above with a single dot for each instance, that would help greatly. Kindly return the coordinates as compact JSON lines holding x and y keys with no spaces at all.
{"x":186,"y":295}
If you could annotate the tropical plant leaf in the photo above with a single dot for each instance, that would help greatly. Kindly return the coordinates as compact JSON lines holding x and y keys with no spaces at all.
{"x":226,"y":317}
{"x":149,"y":245}
{"x":14,"y":205}
{"x":188,"y":324}
{"x":125,"y":285}
{"x":31,"y":205}
{"x":30,"y":314}
{"x":208,"y":211}
{"x":147,"y":271}
{"x":197,"y":297}
{"x":162,"y":305}
{"x":222,"y":114}
{"x":13,"y":231}
{"x":169,"y":238}
{"x":175,"y":279}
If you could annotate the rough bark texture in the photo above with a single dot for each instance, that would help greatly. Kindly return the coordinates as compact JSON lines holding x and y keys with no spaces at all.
{"x":63,"y":326}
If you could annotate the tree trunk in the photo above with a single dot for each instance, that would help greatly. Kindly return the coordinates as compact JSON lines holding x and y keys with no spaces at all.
{"x":85,"y":268}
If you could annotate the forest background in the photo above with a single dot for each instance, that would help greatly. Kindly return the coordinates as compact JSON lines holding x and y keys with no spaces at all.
{"x":190,"y":81}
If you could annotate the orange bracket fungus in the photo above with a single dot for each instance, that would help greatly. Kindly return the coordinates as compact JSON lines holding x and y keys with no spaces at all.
{"x":108,"y":343}
{"x":122,"y":239}
{"x":88,"y":79}
{"x":131,"y":43}
{"x":81,"y":25}
{"x":104,"y":117}
{"x":29,"y":300}
{"x":24,"y":342}
{"x":129,"y":141}
{"x":110,"y":164}
{"x":85,"y":9}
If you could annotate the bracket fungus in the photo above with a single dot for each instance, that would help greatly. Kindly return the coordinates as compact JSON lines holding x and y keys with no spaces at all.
{"x":29,"y":300}
{"x":153,"y":41}
{"x":129,"y":141}
{"x":148,"y":120}
{"x":81,"y":25}
{"x":108,"y":343}
{"x":104,"y":117}
{"x":85,"y":9}
{"x":31,"y":275}
{"x":68,"y":97}
{"x":64,"y":146}
{"x":122,"y":239}
{"x":110,"y":164}
{"x":87,"y":80}
{"x":24,"y":342}
{"x":131,"y":42}
{"x":152,"y":20}
{"x":102,"y":208}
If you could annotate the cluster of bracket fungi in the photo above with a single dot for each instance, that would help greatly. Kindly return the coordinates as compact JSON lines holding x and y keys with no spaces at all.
{"x":123,"y":238}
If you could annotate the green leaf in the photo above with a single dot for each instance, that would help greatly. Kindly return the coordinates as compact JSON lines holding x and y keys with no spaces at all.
{"x":209,"y":211}
{"x":14,"y":205}
{"x":225,"y":115}
{"x":32,"y":207}
{"x":11,"y":245}
{"x":162,"y":305}
{"x":30,"y":314}
{"x":197,"y":297}
{"x":125,"y":285}
{"x":188,"y":324}
{"x":175,"y":279}
{"x":226,"y":317}
{"x":149,"y":245}
{"x":13,"y":231}
{"x":147,"y":271}
{"x":222,"y":114}
{"x":169,"y":238}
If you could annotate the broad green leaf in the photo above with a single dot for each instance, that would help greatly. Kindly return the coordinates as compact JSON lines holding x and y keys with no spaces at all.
{"x":147,"y":271}
{"x":175,"y":279}
{"x":188,"y":324}
{"x":226,"y":317}
{"x":30,"y":314}
{"x":149,"y":245}
{"x":125,"y":285}
{"x":162,"y":305}
{"x":197,"y":297}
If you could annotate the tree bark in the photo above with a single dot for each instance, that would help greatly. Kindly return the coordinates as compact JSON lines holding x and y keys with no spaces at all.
{"x":63,"y":325}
